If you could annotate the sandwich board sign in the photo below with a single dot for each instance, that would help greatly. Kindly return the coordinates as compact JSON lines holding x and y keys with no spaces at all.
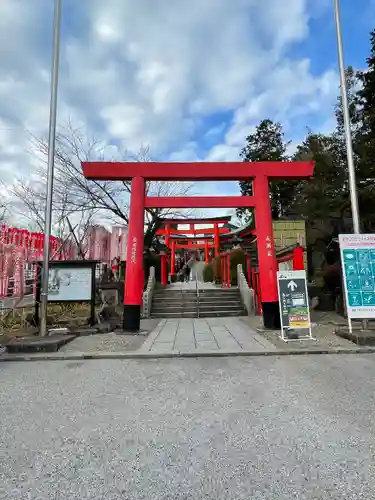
{"x":294,"y":303}
{"x":358,"y":267}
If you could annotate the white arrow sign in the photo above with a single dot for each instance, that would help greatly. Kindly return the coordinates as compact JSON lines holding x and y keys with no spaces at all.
{"x":292,"y":285}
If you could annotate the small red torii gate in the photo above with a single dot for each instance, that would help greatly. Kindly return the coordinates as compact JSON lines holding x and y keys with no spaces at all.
{"x":175,"y":238}
{"x":139,"y":173}
{"x":176,"y":243}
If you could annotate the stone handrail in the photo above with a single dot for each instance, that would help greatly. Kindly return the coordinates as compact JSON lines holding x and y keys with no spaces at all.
{"x":148,"y":293}
{"x":246,"y":292}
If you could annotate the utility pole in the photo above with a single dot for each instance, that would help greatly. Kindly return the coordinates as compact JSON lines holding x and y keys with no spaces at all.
{"x":50,"y":167}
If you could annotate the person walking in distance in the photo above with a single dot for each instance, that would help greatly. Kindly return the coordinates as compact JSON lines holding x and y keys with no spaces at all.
{"x":187,"y":273}
{"x":116,"y":268}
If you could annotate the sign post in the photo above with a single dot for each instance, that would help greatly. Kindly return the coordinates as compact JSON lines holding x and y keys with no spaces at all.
{"x":358,"y":268}
{"x":294,"y":303}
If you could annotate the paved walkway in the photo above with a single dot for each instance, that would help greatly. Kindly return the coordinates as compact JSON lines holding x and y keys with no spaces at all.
{"x":203,"y":335}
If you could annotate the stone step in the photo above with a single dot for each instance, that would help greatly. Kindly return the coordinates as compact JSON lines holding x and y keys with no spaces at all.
{"x":219,"y":300}
{"x":221,"y":314}
{"x":221,"y":307}
{"x":174,"y":315}
{"x":237,"y":308}
{"x":175,"y":308}
{"x":219,"y":290}
{"x":203,"y":314}
{"x":209,"y":303}
{"x":179,"y":300}
{"x":224,"y":295}
{"x":201,"y":298}
{"x":167,"y":300}
{"x":227,"y":295}
{"x":177,"y":296}
{"x":204,"y":291}
{"x":227,"y":305}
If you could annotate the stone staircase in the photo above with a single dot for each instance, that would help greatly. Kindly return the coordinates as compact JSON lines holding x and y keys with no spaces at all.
{"x":216,"y":302}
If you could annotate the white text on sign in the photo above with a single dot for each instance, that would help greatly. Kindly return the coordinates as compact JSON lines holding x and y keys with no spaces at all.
{"x":133,"y":258}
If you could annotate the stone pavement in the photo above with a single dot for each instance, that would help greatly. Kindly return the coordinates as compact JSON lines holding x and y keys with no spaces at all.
{"x":204,"y":335}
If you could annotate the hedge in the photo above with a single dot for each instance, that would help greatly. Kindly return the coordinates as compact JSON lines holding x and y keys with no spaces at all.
{"x":237,"y":256}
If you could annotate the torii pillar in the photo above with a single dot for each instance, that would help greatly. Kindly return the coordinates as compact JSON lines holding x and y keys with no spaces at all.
{"x":267,"y":261}
{"x":134,"y":257}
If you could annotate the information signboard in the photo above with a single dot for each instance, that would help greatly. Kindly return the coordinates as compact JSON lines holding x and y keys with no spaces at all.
{"x":358,"y":267}
{"x":69,"y":281}
{"x":70,"y":284}
{"x":294,"y":302}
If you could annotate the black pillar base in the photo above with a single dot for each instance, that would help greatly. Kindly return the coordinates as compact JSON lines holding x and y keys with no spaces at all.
{"x":271,"y":315}
{"x":131,"y":321}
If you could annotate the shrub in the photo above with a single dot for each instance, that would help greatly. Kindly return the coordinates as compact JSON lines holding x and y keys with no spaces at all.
{"x":216,"y":263}
{"x":208,"y":273}
{"x":237,"y":256}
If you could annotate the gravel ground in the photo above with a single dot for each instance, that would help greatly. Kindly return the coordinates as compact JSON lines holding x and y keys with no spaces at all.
{"x":323,"y":331}
{"x":259,"y":428}
{"x":111,"y":342}
{"x":105,"y":342}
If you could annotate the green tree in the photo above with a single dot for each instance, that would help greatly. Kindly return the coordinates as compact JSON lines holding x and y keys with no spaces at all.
{"x":352,"y":87}
{"x":320,"y":199}
{"x":338,"y":137}
{"x":267,"y":143}
{"x":365,"y":141}
{"x":366,"y":101}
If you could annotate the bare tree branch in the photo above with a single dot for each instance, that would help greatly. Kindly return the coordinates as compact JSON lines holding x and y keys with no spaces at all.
{"x":4,"y":211}
{"x":85,"y":202}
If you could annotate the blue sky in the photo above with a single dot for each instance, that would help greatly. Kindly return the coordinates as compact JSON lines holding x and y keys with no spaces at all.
{"x":187,"y":79}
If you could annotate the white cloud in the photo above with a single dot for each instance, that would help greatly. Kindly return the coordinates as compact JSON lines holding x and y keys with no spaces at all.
{"x":149,"y":73}
{"x":292,"y":92}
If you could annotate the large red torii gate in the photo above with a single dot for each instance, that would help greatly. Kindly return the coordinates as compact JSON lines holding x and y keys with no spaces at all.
{"x":139,"y":173}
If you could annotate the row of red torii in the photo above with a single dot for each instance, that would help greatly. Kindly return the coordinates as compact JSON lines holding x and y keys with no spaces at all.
{"x":208,"y":240}
{"x":259,"y":172}
{"x":194,"y":239}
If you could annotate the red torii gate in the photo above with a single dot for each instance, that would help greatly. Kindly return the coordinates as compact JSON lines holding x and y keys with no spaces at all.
{"x":175,"y":238}
{"x":139,"y":173}
{"x":193,"y":244}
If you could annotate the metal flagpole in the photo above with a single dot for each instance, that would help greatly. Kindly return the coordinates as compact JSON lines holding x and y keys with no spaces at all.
{"x":348,"y":135}
{"x":50,"y":168}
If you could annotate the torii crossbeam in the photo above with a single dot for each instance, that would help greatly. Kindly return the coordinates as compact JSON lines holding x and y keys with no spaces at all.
{"x":139,"y":173}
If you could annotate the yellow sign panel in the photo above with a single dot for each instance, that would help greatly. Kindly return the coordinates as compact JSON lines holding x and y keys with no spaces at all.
{"x":299,"y":321}
{"x":299,"y":324}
